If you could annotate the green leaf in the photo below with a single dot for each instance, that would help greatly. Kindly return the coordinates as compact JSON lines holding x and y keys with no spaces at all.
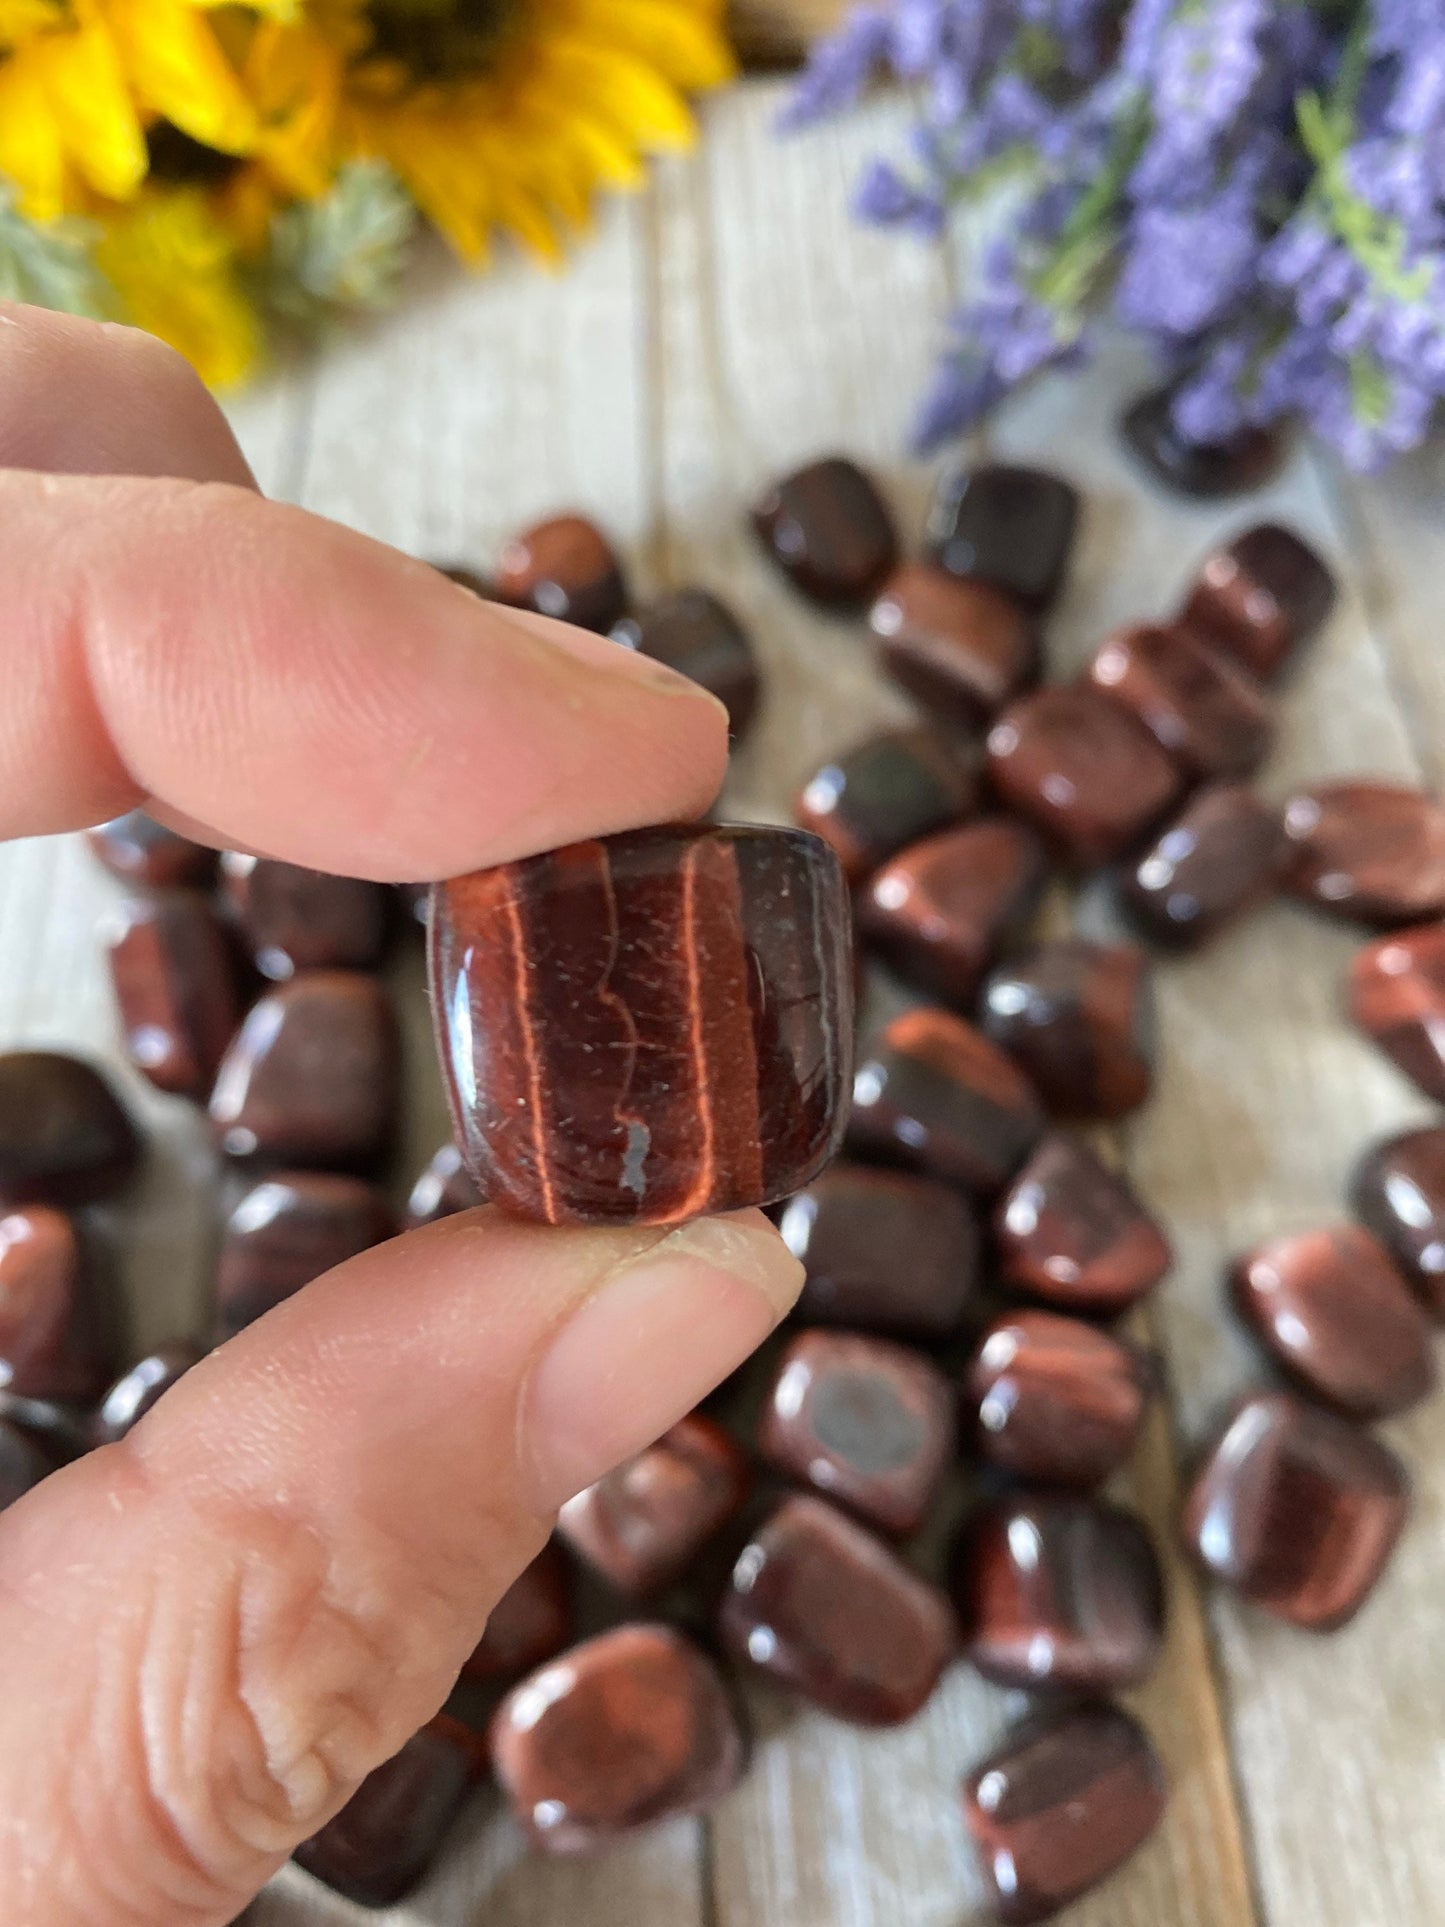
{"x":50,"y":266}
{"x":341,"y":254}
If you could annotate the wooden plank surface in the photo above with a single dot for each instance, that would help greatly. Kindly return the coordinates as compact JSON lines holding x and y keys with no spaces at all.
{"x":729,"y":324}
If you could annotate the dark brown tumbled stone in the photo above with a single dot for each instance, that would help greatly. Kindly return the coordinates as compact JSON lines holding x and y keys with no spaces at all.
{"x":286,"y":1231}
{"x":828,"y":528}
{"x":52,"y":1344}
{"x":444,"y":1188}
{"x":934,"y":1093}
{"x":885,"y":793}
{"x":961,"y":647}
{"x":628,"y":1729}
{"x":1054,"y":1399}
{"x":884,"y":1250}
{"x":1335,"y":1312}
{"x":564,"y":568}
{"x":1061,"y":1805}
{"x":823,"y":1606}
{"x":1201,"y":708}
{"x":647,"y":1027}
{"x":1373,"y":852}
{"x":530,"y":1623}
{"x":64,"y":1137}
{"x":696,"y":634}
{"x":148,"y":856}
{"x":138,"y":1389}
{"x":23,"y":1463}
{"x":1207,"y":471}
{"x":1078,"y":1017}
{"x":311,"y":1077}
{"x":1261,"y":597}
{"x":1221,"y":855}
{"x":940,"y":910}
{"x":175,"y":988}
{"x":1072,"y":1232}
{"x":295,"y":919}
{"x":1297,"y":1509}
{"x":1397,"y":997}
{"x":1399,"y":1194}
{"x":1008,"y":525}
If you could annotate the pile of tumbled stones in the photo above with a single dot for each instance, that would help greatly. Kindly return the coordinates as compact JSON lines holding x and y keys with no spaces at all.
{"x":966,"y":1261}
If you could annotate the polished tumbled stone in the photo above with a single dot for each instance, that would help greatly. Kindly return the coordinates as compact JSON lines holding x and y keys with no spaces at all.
{"x":641,"y":1029}
{"x":1081,"y":768}
{"x":1261,"y":597}
{"x":1008,"y":525}
{"x":1297,"y":1509}
{"x":1220,"y":856}
{"x":1207,"y":471}
{"x":1397,"y":997}
{"x":1078,"y":1017}
{"x":138,"y":1389}
{"x":1060,"y":1806}
{"x":564,"y":568}
{"x":829,"y":529}
{"x":884,"y":1250}
{"x":934,"y":1093}
{"x":696,"y":634}
{"x":961,"y":648}
{"x":629,"y":1729}
{"x":639,"y":1526}
{"x":530,"y":1623}
{"x":64,"y":1137}
{"x":1072,"y":1232}
{"x":1054,"y":1399}
{"x":52,"y":1341}
{"x":1055,"y":1590}
{"x":820,"y":1604}
{"x":1332,"y":1308}
{"x":867,"y":1422}
{"x":1201,"y":708}
{"x":286,"y":1231}
{"x":444,"y":1188}
{"x":23,"y":1463}
{"x":295,"y":919}
{"x":175,"y":988}
{"x":940,"y":910}
{"x":1399,"y":1193}
{"x":1373,"y":852}
{"x":885,"y":793}
{"x":312,"y":1075}
{"x":144,"y":853}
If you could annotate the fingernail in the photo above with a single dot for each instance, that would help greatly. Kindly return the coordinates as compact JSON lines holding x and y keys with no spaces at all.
{"x":656,"y":1335}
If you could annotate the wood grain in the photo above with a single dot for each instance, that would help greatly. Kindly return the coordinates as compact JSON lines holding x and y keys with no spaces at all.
{"x":767,"y":31}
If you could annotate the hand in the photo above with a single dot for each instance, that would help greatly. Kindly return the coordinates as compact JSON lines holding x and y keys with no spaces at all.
{"x":211,"y":1632}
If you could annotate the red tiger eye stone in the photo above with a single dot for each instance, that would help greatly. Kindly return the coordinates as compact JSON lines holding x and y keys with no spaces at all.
{"x":651,"y":1026}
{"x":1081,"y":768}
{"x":1078,"y":1018}
{"x":1062,"y":1804}
{"x":1222,"y":854}
{"x":287,"y":1231}
{"x":700,"y":637}
{"x":530,"y":1623}
{"x":444,"y":1188}
{"x":147,"y":855}
{"x":50,"y":1340}
{"x":867,"y":1422}
{"x":1260,"y":598}
{"x":1055,"y":1399}
{"x":885,"y":793}
{"x":829,"y":529}
{"x":1374,"y":852}
{"x":628,"y":1729}
{"x":22,"y":1463}
{"x":1207,"y":471}
{"x":1008,"y":525}
{"x":137,"y":1390}
{"x":1399,"y":1193}
{"x":1072,"y":1232}
{"x":962,"y":647}
{"x":1334,"y":1311}
{"x":1197,"y":704}
{"x":821,"y":1605}
{"x":296,"y":919}
{"x":1397,"y":997}
{"x":939,"y":911}
{"x":1298,"y":1510}
{"x":564,"y":568}
{"x":64,"y":1138}
{"x":175,"y":987}
{"x":641,"y":1524}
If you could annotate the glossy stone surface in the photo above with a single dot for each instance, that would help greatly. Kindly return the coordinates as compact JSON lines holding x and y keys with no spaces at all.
{"x":1297,"y":1509}
{"x":64,"y":1138}
{"x":1208,"y":471}
{"x":644,"y":1028}
{"x":640,"y":1525}
{"x":137,"y":1390}
{"x":867,"y":1422}
{"x":1011,"y":526}
{"x":700,"y":637}
{"x":934,"y":1093}
{"x":1373,"y":852}
{"x":1261,"y":597}
{"x":564,"y":568}
{"x":1397,"y":997}
{"x":939,"y":911}
{"x":295,"y":919}
{"x":1081,"y":768}
{"x":311,"y":1076}
{"x":23,"y":1463}
{"x":530,"y":1623}
{"x":444,"y":1188}
{"x":286,"y":1231}
{"x":175,"y":990}
{"x":961,"y":647}
{"x":1079,"y":1018}
{"x":822,"y":1605}
{"x":144,"y":853}
{"x":1201,"y":708}
{"x":1399,"y":1194}
{"x":625,"y":1730}
{"x":1072,"y":1232}
{"x":1061,"y":1805}
{"x":1335,"y":1312}
{"x":883,"y":1250}
{"x":383,"y":1841}
{"x":1054,"y":1399}
{"x":828,"y":528}
{"x":466,"y":577}
{"x":885,"y":793}
{"x":51,"y":1342}
{"x":1219,"y":857}
{"x":1059,"y":1591}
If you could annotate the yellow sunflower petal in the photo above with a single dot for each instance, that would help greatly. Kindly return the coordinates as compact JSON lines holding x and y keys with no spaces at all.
{"x":179,"y":71}
{"x":30,"y":151}
{"x":171,"y":264}
{"x":434,"y":156}
{"x":624,"y":91}
{"x":93,"y":108}
{"x":682,"y":44}
{"x":293,"y":76}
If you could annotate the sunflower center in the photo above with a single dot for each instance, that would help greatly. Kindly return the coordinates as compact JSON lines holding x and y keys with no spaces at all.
{"x":440,"y":39}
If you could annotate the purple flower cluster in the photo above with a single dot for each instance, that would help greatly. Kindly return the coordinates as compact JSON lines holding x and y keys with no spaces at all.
{"x":1255,"y":186}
